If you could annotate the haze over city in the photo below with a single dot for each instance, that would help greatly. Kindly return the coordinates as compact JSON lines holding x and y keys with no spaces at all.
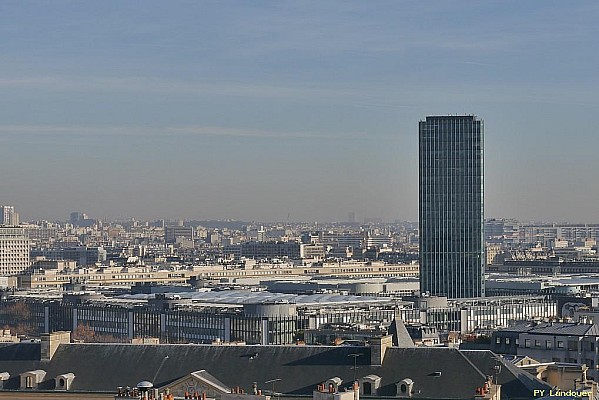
{"x":307,"y":111}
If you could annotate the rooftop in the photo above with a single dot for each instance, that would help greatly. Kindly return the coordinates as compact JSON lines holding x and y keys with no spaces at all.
{"x":436,"y":372}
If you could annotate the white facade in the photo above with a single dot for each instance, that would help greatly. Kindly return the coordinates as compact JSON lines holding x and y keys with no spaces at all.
{"x":8,"y":216}
{"x":14,"y":251}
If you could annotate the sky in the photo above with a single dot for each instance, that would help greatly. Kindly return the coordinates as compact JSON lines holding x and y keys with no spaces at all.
{"x":291,"y":110}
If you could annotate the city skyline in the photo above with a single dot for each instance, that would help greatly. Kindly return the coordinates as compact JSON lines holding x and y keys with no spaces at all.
{"x":277,"y":111}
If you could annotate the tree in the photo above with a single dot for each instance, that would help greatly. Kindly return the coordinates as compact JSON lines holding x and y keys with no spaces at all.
{"x":19,"y":318}
{"x":87,"y":334}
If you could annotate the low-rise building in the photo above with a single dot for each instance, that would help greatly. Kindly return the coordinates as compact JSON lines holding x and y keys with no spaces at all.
{"x":573,"y":343}
{"x":56,"y":369}
{"x":165,"y":274}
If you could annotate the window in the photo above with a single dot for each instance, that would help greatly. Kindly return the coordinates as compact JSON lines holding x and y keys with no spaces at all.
{"x":527,"y":343}
{"x":560,"y":344}
{"x":548,"y":344}
{"x":507,"y":340}
{"x":572,"y":345}
{"x":28,"y":382}
{"x":498,"y":340}
{"x":537,"y":343}
{"x":589,"y":363}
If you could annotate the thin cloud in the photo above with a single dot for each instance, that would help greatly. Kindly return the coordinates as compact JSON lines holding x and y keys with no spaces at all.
{"x":361,"y":97}
{"x":21,"y":82}
{"x":476,"y":63}
{"x":401,"y":95}
{"x":173,"y":86}
{"x":189,"y":130}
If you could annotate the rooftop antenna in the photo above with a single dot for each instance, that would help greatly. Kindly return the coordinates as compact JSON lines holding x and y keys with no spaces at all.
{"x":159,"y":368}
{"x":496,"y":371}
{"x":355,"y":356}
{"x":273,"y":381}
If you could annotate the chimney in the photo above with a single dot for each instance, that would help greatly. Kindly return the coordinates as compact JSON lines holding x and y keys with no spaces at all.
{"x":4,"y":376}
{"x":51,"y":341}
{"x":356,"y":388}
{"x":378,"y":347}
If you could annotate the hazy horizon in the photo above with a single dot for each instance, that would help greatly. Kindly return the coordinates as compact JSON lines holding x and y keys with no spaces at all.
{"x":300,"y":111}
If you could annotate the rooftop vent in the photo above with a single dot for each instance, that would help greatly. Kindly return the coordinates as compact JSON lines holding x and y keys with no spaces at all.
{"x":145,"y":386}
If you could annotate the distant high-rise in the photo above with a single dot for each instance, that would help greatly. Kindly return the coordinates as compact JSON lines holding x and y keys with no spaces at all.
{"x":351,"y":217}
{"x":81,"y":219}
{"x":77,"y":217}
{"x":8,"y":216}
{"x":451,"y":206}
{"x":171,"y":233}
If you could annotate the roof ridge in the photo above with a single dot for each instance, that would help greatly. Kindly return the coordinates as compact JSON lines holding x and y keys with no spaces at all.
{"x":472,"y":364}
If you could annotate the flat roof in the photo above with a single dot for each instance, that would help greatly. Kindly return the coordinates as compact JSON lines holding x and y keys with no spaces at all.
{"x":240,"y":297}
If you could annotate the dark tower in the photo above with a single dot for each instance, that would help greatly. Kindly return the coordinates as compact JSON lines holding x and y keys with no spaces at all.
{"x":451,"y":208}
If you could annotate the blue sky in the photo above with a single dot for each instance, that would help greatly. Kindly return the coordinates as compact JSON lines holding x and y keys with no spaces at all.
{"x":258,"y":110}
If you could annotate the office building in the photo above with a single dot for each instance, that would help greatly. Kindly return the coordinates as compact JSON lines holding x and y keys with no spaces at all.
{"x":14,"y":251}
{"x":83,"y":255}
{"x":81,"y":219}
{"x":452,"y":254}
{"x":183,"y":316}
{"x":171,"y":233}
{"x":76,"y":216}
{"x":268,"y":250}
{"x":8,"y":216}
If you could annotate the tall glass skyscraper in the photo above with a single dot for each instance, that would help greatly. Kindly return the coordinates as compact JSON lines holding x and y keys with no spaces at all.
{"x":451,"y":211}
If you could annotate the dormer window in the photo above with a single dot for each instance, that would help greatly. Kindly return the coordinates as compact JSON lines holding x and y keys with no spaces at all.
{"x":31,"y":379}
{"x":405,"y":387}
{"x":4,"y":376}
{"x":64,"y":381}
{"x":369,"y":385}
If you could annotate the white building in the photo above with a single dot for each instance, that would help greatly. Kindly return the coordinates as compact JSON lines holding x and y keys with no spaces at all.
{"x":14,"y":251}
{"x":8,"y":216}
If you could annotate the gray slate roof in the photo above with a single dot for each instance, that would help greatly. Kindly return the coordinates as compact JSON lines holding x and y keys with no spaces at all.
{"x":555,"y":328}
{"x":515,"y":382}
{"x":401,"y":337}
{"x":519,"y":327}
{"x":103,"y":367}
{"x":560,"y":328}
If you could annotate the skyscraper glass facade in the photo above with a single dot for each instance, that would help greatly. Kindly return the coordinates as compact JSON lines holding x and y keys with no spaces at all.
{"x":451,"y":206}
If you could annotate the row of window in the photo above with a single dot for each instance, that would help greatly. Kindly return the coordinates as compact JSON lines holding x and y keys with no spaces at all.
{"x":571,"y":345}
